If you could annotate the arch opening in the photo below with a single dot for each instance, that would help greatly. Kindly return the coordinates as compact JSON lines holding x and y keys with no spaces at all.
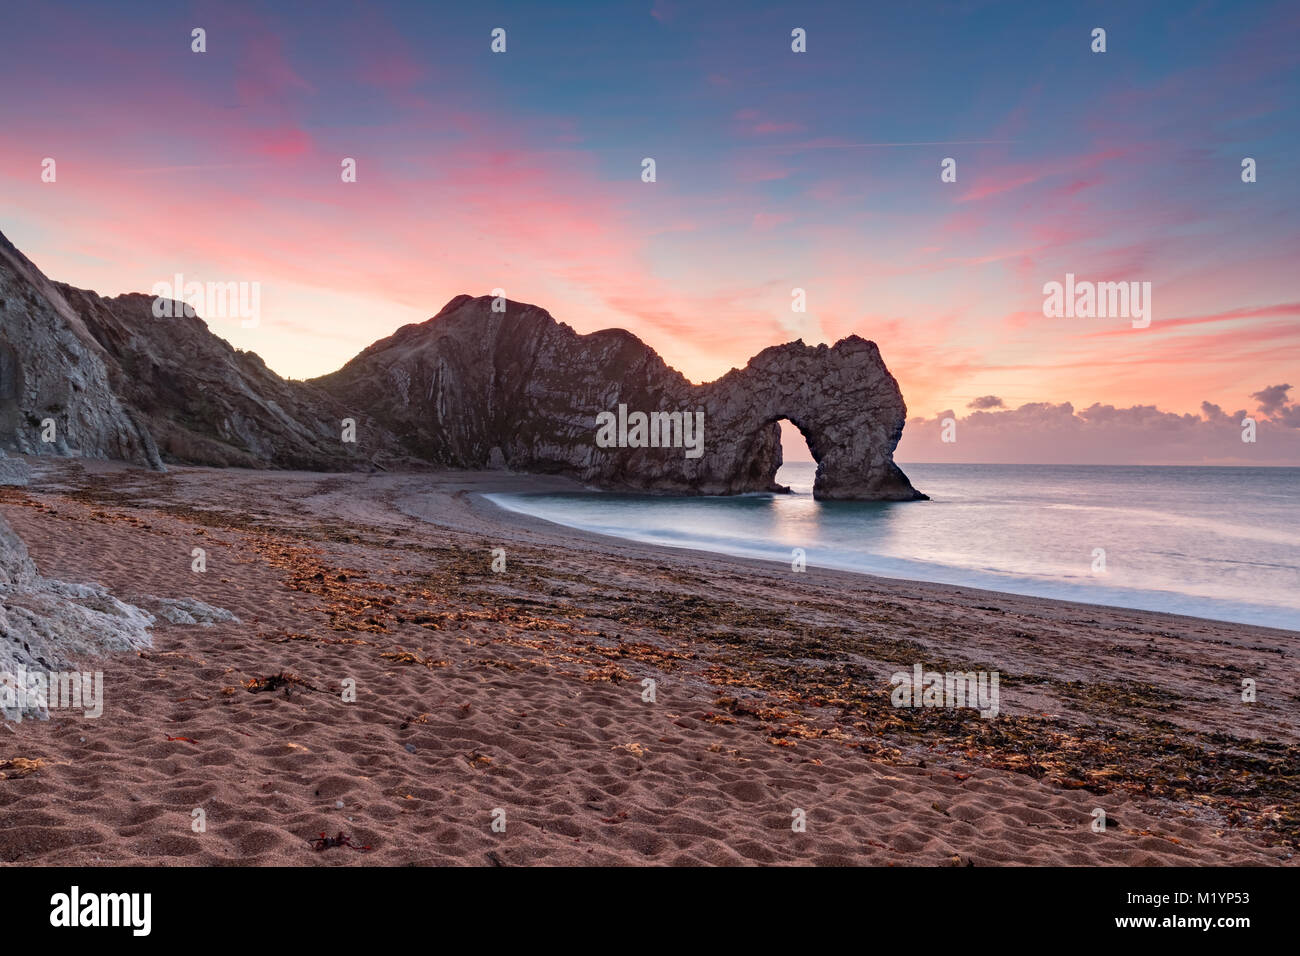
{"x":798,"y":468}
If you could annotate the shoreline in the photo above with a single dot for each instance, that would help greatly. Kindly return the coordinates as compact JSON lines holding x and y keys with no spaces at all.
{"x":521,"y":691}
{"x":965,"y":590}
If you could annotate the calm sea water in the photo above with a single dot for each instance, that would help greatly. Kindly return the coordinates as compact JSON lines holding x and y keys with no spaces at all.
{"x":1221,"y":543}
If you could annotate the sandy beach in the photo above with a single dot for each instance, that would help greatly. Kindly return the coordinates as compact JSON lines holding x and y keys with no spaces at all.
{"x":517,"y":695}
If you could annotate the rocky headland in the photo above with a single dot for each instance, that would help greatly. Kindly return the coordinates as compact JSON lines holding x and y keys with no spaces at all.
{"x":484,"y":384}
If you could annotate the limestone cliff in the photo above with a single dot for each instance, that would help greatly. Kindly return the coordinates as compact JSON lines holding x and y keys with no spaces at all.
{"x":105,"y":378}
{"x":473,"y":387}
{"x":56,"y":397}
{"x":208,"y":403}
{"x":477,"y":388}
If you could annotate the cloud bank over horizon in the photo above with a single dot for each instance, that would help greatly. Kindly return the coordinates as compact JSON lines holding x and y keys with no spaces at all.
{"x":1047,"y":433}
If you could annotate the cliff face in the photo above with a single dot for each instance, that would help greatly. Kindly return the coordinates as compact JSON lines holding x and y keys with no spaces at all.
{"x":208,"y":403}
{"x":54,"y":376}
{"x":470,"y":388}
{"x":474,"y":388}
{"x":118,"y":382}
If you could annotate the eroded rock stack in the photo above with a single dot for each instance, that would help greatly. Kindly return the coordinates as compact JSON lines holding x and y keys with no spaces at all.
{"x":473,"y":387}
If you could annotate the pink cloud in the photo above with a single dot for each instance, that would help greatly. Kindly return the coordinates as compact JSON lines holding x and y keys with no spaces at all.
{"x":281,"y":143}
{"x":1284,"y":309}
{"x":1016,"y":176}
{"x":1044,"y":433}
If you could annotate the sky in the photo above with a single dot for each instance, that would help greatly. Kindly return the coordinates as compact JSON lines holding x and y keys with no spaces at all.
{"x":775,"y":170}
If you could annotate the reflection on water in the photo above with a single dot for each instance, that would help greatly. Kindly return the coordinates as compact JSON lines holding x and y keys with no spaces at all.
{"x":1212,"y":542}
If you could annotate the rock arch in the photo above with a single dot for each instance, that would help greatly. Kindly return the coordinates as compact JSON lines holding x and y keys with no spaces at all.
{"x":472,"y":387}
{"x":841,"y":398}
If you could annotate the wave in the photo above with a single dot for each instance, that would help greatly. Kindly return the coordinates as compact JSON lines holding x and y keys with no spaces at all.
{"x":1241,"y":576}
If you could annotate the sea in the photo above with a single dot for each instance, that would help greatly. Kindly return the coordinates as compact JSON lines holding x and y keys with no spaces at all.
{"x":1218,"y":543}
